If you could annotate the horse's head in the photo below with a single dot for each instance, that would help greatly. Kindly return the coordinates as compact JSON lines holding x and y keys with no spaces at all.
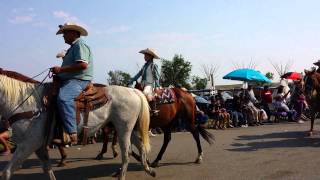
{"x":311,"y":84}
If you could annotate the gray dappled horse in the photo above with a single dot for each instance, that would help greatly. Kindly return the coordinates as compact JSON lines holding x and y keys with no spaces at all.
{"x":128,"y":110}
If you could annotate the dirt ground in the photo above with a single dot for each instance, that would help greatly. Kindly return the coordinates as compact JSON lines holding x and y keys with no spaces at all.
{"x":278,"y":151}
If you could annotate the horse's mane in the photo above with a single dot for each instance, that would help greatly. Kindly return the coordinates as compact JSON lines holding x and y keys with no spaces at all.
{"x":17,"y":86}
{"x":17,"y":76}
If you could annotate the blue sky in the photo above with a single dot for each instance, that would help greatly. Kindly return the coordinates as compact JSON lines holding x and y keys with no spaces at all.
{"x":224,"y":33}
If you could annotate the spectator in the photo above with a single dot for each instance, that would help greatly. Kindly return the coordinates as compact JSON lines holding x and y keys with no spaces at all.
{"x":5,"y":134}
{"x":201,"y":117}
{"x":237,"y":116}
{"x":298,"y":100}
{"x":280,"y":105}
{"x":266,"y":100}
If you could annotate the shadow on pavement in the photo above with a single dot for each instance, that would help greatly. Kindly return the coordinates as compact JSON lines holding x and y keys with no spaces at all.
{"x":92,"y":171}
{"x":292,"y":139}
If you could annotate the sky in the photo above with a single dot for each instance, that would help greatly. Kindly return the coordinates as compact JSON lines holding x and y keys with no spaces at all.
{"x":222,"y":33}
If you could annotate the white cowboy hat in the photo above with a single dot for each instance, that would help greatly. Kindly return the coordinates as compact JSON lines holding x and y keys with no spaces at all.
{"x":72,"y":26}
{"x":151,"y":52}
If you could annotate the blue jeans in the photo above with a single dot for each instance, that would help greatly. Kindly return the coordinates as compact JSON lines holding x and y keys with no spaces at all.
{"x":69,"y":90}
{"x":238,"y":119}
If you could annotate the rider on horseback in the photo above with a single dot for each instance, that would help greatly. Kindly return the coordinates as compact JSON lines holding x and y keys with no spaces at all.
{"x":317,"y":64}
{"x":150,"y":77}
{"x":75,"y":74}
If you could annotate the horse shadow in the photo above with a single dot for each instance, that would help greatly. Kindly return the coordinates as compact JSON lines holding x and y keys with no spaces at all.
{"x":80,"y":173}
{"x":290,"y":139}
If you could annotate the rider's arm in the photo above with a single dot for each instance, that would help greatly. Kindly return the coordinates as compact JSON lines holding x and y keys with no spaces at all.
{"x":136,"y":76}
{"x":156,"y":76}
{"x":71,"y":68}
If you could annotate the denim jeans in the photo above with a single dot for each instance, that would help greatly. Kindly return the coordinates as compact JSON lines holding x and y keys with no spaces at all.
{"x":69,"y":90}
{"x":238,"y":119}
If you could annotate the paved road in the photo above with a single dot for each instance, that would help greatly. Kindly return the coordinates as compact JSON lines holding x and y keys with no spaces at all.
{"x":281,"y":151}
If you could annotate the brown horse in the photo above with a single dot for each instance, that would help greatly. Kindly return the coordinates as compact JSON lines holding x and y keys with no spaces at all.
{"x":312,"y":93}
{"x":183,"y":108}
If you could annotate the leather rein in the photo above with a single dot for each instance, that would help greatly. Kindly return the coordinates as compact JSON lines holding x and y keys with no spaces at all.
{"x":14,"y":117}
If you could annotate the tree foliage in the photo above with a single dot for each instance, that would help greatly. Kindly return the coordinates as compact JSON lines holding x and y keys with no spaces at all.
{"x":270,"y":75}
{"x":198,"y":83}
{"x":176,"y":72}
{"x":118,"y":77}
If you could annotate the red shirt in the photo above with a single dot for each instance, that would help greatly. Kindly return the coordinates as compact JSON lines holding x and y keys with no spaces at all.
{"x":266,"y":96}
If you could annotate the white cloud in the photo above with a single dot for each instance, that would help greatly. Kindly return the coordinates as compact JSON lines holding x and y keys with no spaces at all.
{"x":65,"y":16}
{"x":21,"y":19}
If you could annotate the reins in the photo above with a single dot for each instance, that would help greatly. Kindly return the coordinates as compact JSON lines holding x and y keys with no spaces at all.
{"x":12,"y":118}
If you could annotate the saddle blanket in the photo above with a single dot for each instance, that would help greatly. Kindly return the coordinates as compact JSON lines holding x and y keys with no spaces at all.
{"x":165,"y":96}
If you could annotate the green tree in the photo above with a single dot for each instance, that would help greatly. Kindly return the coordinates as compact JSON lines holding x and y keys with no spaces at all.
{"x":198,"y":83}
{"x":176,"y":72}
{"x":270,"y":75}
{"x":118,"y":77}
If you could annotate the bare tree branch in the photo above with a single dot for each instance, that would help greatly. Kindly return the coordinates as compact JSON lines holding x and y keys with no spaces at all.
{"x":281,"y":67}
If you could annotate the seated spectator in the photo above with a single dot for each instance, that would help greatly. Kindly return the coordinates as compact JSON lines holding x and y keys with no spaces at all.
{"x":281,"y":106}
{"x":5,"y":134}
{"x":251,"y":111}
{"x":298,"y":100}
{"x":237,"y":116}
{"x":266,"y":100}
{"x":201,"y":117}
{"x":221,"y":113}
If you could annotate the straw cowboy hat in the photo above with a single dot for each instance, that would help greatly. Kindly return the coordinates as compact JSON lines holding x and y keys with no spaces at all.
{"x":317,"y":63}
{"x":151,"y":52}
{"x":72,"y":26}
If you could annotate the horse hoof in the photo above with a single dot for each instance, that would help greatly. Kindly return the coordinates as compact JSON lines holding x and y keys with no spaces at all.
{"x":115,"y":154}
{"x":152,"y":173}
{"x":99,"y":157}
{"x":116,"y":174}
{"x":155,"y":164}
{"x":62,"y":164}
{"x":198,"y":161}
{"x":310,"y":133}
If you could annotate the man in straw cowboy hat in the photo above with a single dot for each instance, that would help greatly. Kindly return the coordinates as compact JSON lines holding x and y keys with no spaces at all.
{"x":150,"y":77}
{"x":75,"y":74}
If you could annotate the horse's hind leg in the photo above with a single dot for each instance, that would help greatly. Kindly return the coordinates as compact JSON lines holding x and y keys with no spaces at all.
{"x":124,"y":142}
{"x":195,"y":133}
{"x":136,"y":140}
{"x":43,"y":155}
{"x":166,"y":140}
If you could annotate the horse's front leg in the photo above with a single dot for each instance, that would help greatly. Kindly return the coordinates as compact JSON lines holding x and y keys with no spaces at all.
{"x":104,"y":149}
{"x":313,"y":116}
{"x":63,"y":155}
{"x":166,"y":140}
{"x":114,"y":144}
{"x":43,"y":155}
{"x":23,"y":151}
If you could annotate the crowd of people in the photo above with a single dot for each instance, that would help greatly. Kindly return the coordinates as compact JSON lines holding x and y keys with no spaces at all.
{"x":253,"y":107}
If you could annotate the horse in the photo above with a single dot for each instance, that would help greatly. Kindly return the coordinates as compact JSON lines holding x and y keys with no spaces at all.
{"x":312,"y":94}
{"x":127,"y":109}
{"x":184,"y":107}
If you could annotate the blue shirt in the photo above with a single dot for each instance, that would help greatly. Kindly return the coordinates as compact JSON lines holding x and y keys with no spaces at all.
{"x":79,"y":51}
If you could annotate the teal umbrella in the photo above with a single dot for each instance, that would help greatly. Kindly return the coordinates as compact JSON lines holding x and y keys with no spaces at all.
{"x":247,"y":75}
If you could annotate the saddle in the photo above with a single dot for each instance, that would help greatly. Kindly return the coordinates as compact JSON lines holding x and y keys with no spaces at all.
{"x":92,"y":97}
{"x":165,"y":96}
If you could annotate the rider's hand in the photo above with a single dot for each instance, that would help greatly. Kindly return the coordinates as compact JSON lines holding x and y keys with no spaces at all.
{"x":56,"y":69}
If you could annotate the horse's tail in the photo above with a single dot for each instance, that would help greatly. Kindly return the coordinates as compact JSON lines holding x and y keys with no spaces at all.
{"x":206,"y":135}
{"x":144,"y":121}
